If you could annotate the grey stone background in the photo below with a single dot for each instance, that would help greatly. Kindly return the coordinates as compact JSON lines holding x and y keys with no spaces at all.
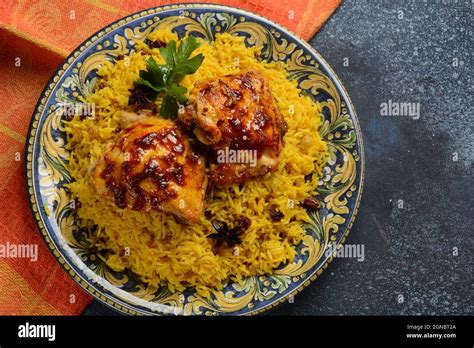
{"x":405,"y":51}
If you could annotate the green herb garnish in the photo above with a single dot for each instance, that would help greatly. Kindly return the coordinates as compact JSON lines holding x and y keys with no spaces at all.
{"x":164,"y":78}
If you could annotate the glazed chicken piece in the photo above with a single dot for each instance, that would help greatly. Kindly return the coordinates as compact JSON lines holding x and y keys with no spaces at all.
{"x":238,"y":118}
{"x":154,"y":165}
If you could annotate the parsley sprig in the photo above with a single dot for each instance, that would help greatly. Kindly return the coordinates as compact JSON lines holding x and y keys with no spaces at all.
{"x":164,"y":78}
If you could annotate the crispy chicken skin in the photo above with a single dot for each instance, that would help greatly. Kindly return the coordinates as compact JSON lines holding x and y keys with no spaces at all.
{"x":154,"y":165}
{"x":232,"y":113}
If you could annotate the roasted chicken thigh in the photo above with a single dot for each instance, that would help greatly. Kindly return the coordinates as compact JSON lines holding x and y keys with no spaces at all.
{"x":238,"y":118}
{"x":154,"y":165}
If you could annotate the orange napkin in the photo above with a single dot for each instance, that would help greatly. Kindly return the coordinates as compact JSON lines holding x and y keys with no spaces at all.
{"x":35,"y":36}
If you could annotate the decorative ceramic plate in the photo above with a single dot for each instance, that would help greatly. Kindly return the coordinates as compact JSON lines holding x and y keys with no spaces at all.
{"x":46,"y":164}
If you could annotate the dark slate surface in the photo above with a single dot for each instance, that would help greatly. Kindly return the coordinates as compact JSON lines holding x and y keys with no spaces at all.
{"x":417,"y":52}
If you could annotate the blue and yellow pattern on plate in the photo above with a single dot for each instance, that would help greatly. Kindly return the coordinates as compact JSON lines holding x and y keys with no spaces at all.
{"x":53,"y":208}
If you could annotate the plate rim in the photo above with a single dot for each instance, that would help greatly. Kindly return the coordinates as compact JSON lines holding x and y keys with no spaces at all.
{"x":118,"y":304}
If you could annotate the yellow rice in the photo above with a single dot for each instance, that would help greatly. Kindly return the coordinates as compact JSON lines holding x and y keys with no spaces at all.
{"x":153,"y":245}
